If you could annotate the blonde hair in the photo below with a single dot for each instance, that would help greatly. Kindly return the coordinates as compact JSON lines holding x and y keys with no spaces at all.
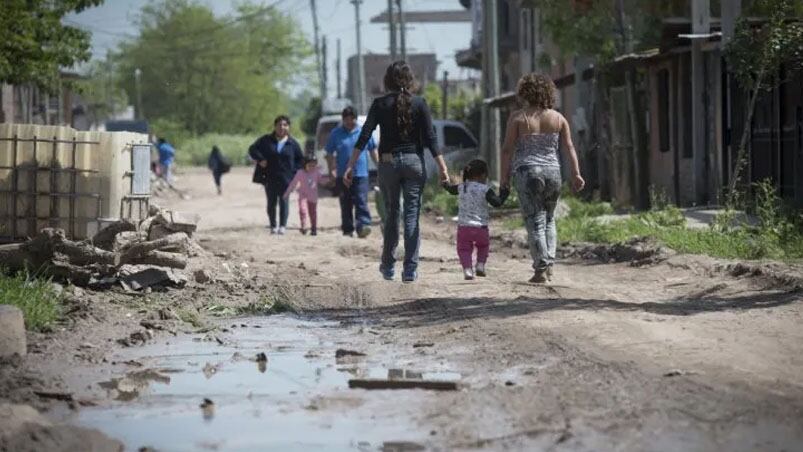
{"x":537,"y":90}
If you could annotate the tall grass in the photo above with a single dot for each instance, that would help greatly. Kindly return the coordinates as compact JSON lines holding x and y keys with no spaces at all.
{"x":37,"y":298}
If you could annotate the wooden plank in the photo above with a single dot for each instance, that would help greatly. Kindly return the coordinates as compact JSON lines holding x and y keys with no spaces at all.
{"x":380,"y":383}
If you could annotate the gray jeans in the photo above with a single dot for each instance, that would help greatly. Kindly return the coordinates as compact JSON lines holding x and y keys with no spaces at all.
{"x":539,"y":189}
{"x":401,"y":174}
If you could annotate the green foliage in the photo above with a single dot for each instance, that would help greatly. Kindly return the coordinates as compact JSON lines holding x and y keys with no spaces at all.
{"x":212,"y":74}
{"x":195,"y":151}
{"x":35,"y":44}
{"x":433,"y":94}
{"x":439,"y":201}
{"x":35,"y":297}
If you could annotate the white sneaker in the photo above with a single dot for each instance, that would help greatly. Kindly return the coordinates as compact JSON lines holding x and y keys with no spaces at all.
{"x":480,"y":270}
{"x":282,"y":230}
{"x":273,"y":230}
{"x":468,"y":274}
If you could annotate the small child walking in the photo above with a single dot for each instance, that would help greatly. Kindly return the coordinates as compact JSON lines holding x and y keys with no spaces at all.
{"x":307,"y":180}
{"x":474,"y":195}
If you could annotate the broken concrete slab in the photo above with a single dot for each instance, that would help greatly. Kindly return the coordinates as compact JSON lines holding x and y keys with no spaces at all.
{"x":105,"y":238}
{"x":139,"y":277}
{"x":168,"y":222}
{"x":12,"y":331}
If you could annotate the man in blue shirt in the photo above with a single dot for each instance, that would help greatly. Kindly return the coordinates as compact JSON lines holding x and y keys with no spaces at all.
{"x":166,"y":155}
{"x":354,"y":213}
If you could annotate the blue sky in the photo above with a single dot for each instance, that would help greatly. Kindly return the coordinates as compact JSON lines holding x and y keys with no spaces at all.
{"x":115,"y":19}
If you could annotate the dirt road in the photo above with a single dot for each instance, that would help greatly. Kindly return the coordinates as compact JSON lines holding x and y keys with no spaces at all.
{"x":674,"y":356}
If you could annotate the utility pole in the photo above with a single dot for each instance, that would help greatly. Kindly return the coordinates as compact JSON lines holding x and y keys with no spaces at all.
{"x":490,"y":61}
{"x":445,"y":101}
{"x":360,"y":64}
{"x":337,"y":70}
{"x":700,"y":25}
{"x":324,"y":69}
{"x":626,"y":46}
{"x":402,"y":30}
{"x":314,"y":8}
{"x":138,"y":87}
{"x":392,"y":27}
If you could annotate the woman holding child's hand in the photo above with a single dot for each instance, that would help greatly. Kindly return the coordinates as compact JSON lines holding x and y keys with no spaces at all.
{"x":532,"y":139}
{"x":405,"y":131}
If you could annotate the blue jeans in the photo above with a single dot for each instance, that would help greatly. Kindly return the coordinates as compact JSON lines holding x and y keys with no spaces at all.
{"x":274,"y":191}
{"x":353,"y":204}
{"x":402,"y":174}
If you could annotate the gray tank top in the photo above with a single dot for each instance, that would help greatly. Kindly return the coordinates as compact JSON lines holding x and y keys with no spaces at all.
{"x":537,"y":149}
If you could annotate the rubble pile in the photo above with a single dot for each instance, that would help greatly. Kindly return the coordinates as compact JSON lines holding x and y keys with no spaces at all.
{"x":136,"y":256}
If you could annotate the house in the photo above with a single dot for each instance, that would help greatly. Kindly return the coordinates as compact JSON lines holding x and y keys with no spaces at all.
{"x":424,"y":65}
{"x":27,"y":104}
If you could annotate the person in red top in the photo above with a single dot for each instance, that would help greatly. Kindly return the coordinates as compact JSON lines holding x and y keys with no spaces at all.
{"x":305,"y":183}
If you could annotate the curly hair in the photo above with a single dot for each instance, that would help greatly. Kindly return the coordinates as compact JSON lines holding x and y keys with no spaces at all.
{"x":537,"y":90}
{"x":399,"y":77}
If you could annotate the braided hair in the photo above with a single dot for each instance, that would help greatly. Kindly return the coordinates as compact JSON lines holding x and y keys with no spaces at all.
{"x":399,"y":77}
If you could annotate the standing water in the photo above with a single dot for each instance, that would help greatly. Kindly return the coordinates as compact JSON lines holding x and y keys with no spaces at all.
{"x":194,"y":393}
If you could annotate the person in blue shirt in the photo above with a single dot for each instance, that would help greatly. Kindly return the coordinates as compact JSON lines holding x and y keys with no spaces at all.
{"x":354,"y":213}
{"x":166,"y":155}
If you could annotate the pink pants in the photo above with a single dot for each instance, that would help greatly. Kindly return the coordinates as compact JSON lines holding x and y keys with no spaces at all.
{"x":308,"y":207}
{"x":469,"y":237}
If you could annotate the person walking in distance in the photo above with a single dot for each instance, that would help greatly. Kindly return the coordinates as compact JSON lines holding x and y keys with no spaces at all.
{"x":219,"y":165}
{"x":354,"y":212}
{"x":530,"y":154}
{"x":278,"y":157}
{"x":167,"y":153}
{"x":405,"y":124}
{"x":473,"y":216}
{"x":305,"y":183}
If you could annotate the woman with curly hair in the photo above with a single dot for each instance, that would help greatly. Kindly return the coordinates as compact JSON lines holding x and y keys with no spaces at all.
{"x":530,"y":152}
{"x":405,"y":127}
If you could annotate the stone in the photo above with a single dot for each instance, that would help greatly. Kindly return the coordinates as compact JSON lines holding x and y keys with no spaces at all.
{"x":202,"y":276}
{"x":12,"y":332}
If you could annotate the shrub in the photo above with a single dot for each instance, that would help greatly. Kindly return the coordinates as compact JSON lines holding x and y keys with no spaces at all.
{"x":37,"y":298}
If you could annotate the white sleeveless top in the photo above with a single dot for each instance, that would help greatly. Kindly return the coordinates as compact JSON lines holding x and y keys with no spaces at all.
{"x":536,"y":148}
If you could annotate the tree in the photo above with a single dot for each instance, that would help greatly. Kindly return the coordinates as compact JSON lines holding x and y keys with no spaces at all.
{"x":34,"y":44}
{"x":210,"y":74}
{"x":755,"y":56}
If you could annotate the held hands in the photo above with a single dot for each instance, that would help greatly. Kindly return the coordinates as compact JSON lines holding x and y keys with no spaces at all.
{"x":263,"y":163}
{"x":444,"y":176}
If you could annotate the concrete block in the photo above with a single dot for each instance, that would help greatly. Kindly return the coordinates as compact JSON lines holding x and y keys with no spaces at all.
{"x":12,"y":331}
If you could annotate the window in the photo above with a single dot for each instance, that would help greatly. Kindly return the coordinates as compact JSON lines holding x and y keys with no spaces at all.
{"x":455,"y":137}
{"x":663,"y":110}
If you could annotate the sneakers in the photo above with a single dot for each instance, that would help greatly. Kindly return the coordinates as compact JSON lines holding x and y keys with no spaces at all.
{"x":480,"y":270}
{"x":364,"y":232}
{"x":313,"y":232}
{"x":273,"y":230}
{"x":468,"y":274}
{"x":409,"y":277}
{"x":303,"y":231}
{"x":282,"y":230}
{"x":549,"y":273}
{"x":387,"y":273}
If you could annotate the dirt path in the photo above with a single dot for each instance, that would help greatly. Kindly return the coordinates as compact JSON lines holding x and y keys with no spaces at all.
{"x":588,"y":352}
{"x":674,"y":356}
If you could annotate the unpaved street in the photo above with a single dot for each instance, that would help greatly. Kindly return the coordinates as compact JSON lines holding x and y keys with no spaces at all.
{"x":674,"y":356}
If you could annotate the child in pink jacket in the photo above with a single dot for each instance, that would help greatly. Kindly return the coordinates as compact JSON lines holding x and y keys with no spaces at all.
{"x":307,"y":180}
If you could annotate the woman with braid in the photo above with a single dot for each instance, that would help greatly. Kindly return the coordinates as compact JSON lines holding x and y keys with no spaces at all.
{"x":405,"y":130}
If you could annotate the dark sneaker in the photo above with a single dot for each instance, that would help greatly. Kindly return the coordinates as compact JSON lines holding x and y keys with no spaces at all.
{"x":387,"y":273}
{"x":348,"y":234}
{"x":539,"y":277}
{"x":303,"y":231}
{"x":409,"y":277}
{"x":364,"y":232}
{"x":313,"y":232}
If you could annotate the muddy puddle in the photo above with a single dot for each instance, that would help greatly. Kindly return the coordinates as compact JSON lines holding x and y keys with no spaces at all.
{"x":262,"y":384}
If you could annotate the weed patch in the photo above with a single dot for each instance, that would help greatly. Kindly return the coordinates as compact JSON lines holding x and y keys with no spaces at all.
{"x":38,"y":300}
